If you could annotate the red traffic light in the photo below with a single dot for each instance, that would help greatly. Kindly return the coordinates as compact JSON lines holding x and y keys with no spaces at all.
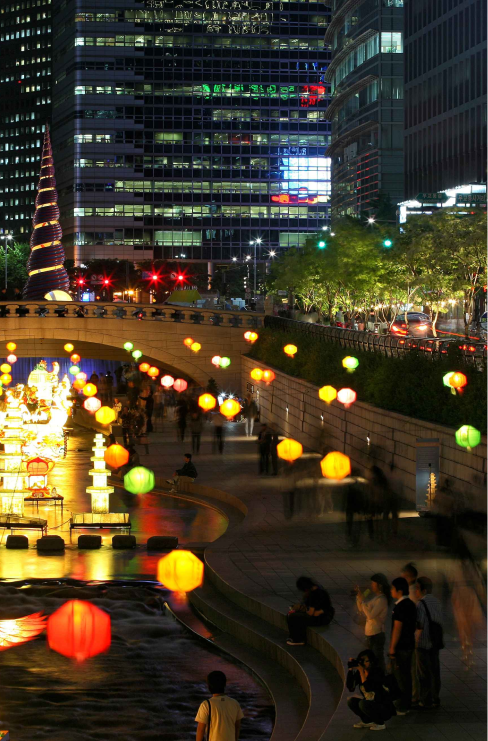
{"x":181,"y":277}
{"x":106,"y":282}
{"x":154,"y":277}
{"x":81,"y":281}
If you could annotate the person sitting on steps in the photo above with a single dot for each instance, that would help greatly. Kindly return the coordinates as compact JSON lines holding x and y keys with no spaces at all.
{"x":187,"y":472}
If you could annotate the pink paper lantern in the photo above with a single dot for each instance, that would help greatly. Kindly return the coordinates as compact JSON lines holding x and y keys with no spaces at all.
{"x":180,"y":385}
{"x":11,"y":359}
{"x":346,"y":397}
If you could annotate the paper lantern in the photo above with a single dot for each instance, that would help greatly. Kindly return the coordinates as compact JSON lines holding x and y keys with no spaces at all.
{"x":167,"y":381}
{"x":180,"y":385}
{"x":447,"y":378}
{"x":89,"y":389}
{"x":335,"y":466}
{"x":81,"y":376}
{"x":256,"y":374}
{"x":153,"y":372}
{"x":468,"y":437}
{"x":39,"y":466}
{"x":216,"y":360}
{"x":196,"y":347}
{"x":105,"y":416}
{"x":116,"y":456}
{"x":79,"y":630}
{"x":136,"y":354}
{"x":92,"y":404}
{"x":79,"y":384}
{"x":290,"y":350}
{"x":69,"y":347}
{"x":268,"y":376}
{"x":128,"y":346}
{"x":75,"y":358}
{"x":6,"y":378}
{"x":327,"y":394}
{"x":346,"y":397}
{"x":20,"y":630}
{"x":12,"y":359}
{"x":139,"y":480}
{"x":207,"y":402}
{"x":229,"y":408}
{"x":180,"y":571}
{"x":224,"y":362}
{"x":350,"y":362}
{"x":289,"y":450}
{"x":5,"y":368}
{"x":11,"y":346}
{"x":250,"y":336}
{"x":188,"y":341}
{"x":74,"y":370}
{"x":144,"y":367}
{"x":457,"y":381}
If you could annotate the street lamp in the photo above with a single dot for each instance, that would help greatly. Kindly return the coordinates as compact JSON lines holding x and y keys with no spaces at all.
{"x":255,"y":242}
{"x":7,"y":238}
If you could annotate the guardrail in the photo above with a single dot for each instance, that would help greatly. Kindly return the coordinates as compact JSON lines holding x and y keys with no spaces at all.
{"x":137,"y":312}
{"x":435,"y":348}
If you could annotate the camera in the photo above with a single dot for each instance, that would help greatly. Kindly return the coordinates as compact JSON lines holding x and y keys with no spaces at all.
{"x":353,"y":663}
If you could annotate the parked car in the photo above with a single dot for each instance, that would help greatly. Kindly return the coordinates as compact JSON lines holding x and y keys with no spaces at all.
{"x":419,"y":325}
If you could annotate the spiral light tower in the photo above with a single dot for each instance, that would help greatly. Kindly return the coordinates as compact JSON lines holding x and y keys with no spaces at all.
{"x":45,"y":266}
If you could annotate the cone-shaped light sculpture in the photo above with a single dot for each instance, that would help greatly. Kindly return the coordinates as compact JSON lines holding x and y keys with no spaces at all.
{"x":45,"y":266}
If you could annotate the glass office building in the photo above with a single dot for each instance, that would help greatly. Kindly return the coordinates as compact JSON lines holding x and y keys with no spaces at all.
{"x":185,"y":130}
{"x":366,"y":111}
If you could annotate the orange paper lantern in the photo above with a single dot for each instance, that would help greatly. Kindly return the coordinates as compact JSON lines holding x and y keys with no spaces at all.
{"x":75,"y":358}
{"x":5,"y":368}
{"x":268,"y":376}
{"x":105,"y":416}
{"x":79,"y":383}
{"x":153,"y":372}
{"x":196,"y":347}
{"x":6,"y":378}
{"x":180,"y":571}
{"x":256,"y":374}
{"x":144,"y":367}
{"x":188,"y":341}
{"x":457,"y":380}
{"x":167,"y":381}
{"x":12,"y":359}
{"x":180,"y":385}
{"x":90,"y":389}
{"x":346,"y":397}
{"x":79,"y":630}
{"x":11,"y":346}
{"x":207,"y":402}
{"x":116,"y":456}
{"x":335,"y":466}
{"x":92,"y":404}
{"x":289,"y":450}
{"x":229,"y":408}
{"x":290,"y":350}
{"x":327,"y":394}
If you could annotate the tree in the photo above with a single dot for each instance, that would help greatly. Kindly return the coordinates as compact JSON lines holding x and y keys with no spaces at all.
{"x":17,"y":257}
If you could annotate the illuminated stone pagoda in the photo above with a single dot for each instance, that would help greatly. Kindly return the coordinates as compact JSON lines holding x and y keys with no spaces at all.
{"x":45,"y":267}
{"x":99,"y":492}
{"x":14,"y":487}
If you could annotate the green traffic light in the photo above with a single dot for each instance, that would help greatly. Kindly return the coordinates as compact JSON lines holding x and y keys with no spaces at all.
{"x":322,"y":245}
{"x":387,"y":243}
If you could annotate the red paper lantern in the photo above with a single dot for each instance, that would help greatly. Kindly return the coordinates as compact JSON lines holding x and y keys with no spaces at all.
{"x":346,"y":397}
{"x":116,"y":456}
{"x":268,"y":376}
{"x":39,"y":466}
{"x":180,"y":385}
{"x":153,"y":372}
{"x":79,"y":630}
{"x":92,"y":404}
{"x":167,"y":381}
{"x":75,"y":358}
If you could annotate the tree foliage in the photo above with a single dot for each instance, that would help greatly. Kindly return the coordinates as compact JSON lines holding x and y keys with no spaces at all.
{"x":17,"y":257}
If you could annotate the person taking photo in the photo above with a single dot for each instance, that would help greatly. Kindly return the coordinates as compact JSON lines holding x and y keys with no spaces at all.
{"x":374,"y":707}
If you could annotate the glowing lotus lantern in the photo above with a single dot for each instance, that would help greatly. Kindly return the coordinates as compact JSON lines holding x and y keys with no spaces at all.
{"x":136,"y":354}
{"x":81,"y":376}
{"x":105,"y":416}
{"x":269,"y":376}
{"x":335,"y":466}
{"x":39,"y":466}
{"x":144,"y":367}
{"x":180,"y":571}
{"x":207,"y":402}
{"x":74,"y":370}
{"x":457,"y":382}
{"x":468,"y":437}
{"x":350,"y":363}
{"x":327,"y":394}
{"x":79,"y":384}
{"x":180,"y":385}
{"x":128,"y":346}
{"x":289,"y":450}
{"x":79,"y":630}
{"x":6,"y":378}
{"x":188,"y":341}
{"x":447,"y":378}
{"x":11,"y":359}
{"x":229,"y":408}
{"x":224,"y":362}
{"x":75,"y":358}
{"x":116,"y":456}
{"x":90,"y":389}
{"x":216,"y":360}
{"x":69,"y":347}
{"x":11,"y":346}
{"x":139,"y":480}
{"x":153,"y":372}
{"x":346,"y":397}
{"x":251,"y":336}
{"x":290,"y":350}
{"x":92,"y":404}
{"x":256,"y":374}
{"x":5,"y":368}
{"x":167,"y":381}
{"x":196,"y":347}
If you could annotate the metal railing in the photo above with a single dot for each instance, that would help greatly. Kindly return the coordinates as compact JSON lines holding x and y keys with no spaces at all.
{"x":137,"y":312}
{"x":435,"y":348}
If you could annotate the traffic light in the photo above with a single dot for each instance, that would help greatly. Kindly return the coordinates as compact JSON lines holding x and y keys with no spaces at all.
{"x":322,"y":245}
{"x":387,"y":243}
{"x":181,"y":277}
{"x":81,"y":281}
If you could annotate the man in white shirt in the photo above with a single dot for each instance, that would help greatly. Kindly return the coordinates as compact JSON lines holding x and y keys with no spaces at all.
{"x":222,"y":714}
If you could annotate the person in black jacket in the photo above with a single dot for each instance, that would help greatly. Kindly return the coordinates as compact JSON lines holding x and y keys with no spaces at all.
{"x":315,"y":609}
{"x":188,"y":470}
{"x":375,"y":705}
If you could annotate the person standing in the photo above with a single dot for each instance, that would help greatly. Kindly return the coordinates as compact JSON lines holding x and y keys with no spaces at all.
{"x":250,"y":413}
{"x":402,"y":642}
{"x":181,"y":412}
{"x":264,"y":444}
{"x":218,"y":421}
{"x":149,"y":411}
{"x":376,"y":611}
{"x":273,"y":450}
{"x":429,"y":641}
{"x":410,"y":573}
{"x":109,"y":380}
{"x":117,"y":407}
{"x":196,"y":427}
{"x":220,"y":715}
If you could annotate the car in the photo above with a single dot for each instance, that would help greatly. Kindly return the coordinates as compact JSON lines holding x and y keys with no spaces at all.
{"x":418,"y":324}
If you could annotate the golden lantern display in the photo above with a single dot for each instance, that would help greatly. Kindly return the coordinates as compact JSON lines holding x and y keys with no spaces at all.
{"x":153,"y":372}
{"x":327,"y":394}
{"x":188,"y":341}
{"x":290,"y":350}
{"x":105,"y":416}
{"x":90,"y":389}
{"x":256,"y":374}
{"x":229,"y":408}
{"x":269,"y":376}
{"x":11,"y":346}
{"x":180,"y":571}
{"x":69,"y":347}
{"x":5,"y":368}
{"x":207,"y":402}
{"x":289,"y":450}
{"x":335,"y":466}
{"x":196,"y":347}
{"x":6,"y":378}
{"x":144,"y":367}
{"x":99,"y":490}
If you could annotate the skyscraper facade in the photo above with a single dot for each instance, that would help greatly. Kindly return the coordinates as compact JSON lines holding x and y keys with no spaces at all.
{"x":366,"y":111}
{"x":445,"y":94}
{"x":25,"y":86}
{"x":188,"y":130}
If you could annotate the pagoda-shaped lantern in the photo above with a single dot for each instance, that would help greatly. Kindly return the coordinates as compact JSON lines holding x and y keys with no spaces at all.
{"x":100,"y":492}
{"x":14,"y":488}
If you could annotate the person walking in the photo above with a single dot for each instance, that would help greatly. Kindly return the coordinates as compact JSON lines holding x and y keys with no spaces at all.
{"x":429,"y":641}
{"x":402,"y":642}
{"x":149,"y":411}
{"x":250,"y":412}
{"x":158,"y":405}
{"x":221,"y":715}
{"x":273,"y":450}
{"x":196,"y":427}
{"x":264,"y":444}
{"x":181,"y":412}
{"x":218,"y":421}
{"x":315,"y":609}
{"x":142,"y":431}
{"x":376,"y":611}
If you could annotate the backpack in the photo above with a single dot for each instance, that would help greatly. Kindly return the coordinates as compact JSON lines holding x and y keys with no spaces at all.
{"x":436,"y":631}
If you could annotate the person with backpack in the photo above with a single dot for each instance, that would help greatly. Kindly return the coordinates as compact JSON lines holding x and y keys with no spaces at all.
{"x":429,"y":641}
{"x":221,"y":715}
{"x":375,"y":706}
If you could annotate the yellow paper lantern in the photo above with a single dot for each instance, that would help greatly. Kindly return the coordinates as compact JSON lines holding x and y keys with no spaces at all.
{"x":11,"y":346}
{"x":105,"y":416}
{"x":79,"y":383}
{"x":6,"y":378}
{"x":290,"y":350}
{"x":180,"y":571}
{"x":69,"y":347}
{"x":144,"y":367}
{"x":207,"y":402}
{"x":90,"y":389}
{"x":229,"y":408}
{"x":256,"y":374}
{"x":196,"y":347}
{"x":188,"y":341}
{"x":335,"y":466}
{"x":5,"y":368}
{"x":327,"y":394}
{"x":153,"y":372}
{"x":289,"y":449}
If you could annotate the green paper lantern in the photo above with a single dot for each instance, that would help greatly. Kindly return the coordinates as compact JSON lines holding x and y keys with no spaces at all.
{"x":224,"y":362}
{"x":350,"y":363}
{"x":137,"y":354}
{"x":468,"y":437}
{"x":447,"y":378}
{"x":139,"y":480}
{"x":74,"y":370}
{"x":128,"y":346}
